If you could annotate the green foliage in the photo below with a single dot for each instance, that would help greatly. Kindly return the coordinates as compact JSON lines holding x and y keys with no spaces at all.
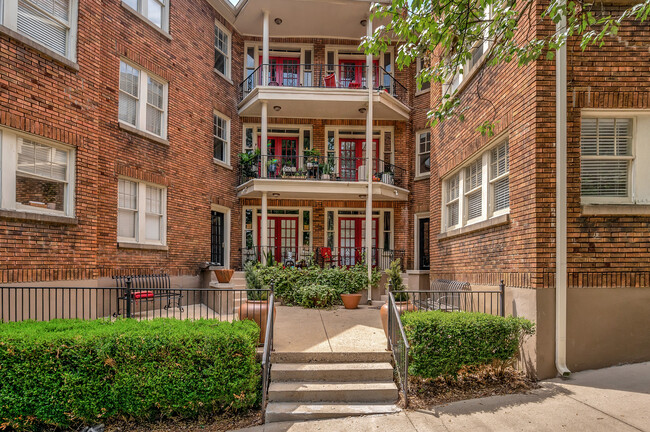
{"x":65,"y":373}
{"x":442,"y":342}
{"x":447,"y":33}
{"x":317,"y":296}
{"x":247,"y":162}
{"x":254,"y":282}
{"x":395,"y":283}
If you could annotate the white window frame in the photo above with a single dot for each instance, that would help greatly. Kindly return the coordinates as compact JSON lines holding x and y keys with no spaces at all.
{"x":141,"y":214}
{"x":227,"y":144}
{"x":228,"y":69}
{"x":141,"y":100}
{"x":497,"y":178}
{"x":9,"y":140}
{"x":142,"y":8}
{"x":418,"y":153}
{"x":419,"y":65}
{"x":486,"y":189}
{"x":9,"y":19}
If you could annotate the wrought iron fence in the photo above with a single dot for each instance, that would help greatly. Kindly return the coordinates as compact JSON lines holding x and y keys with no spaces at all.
{"x":342,"y":76}
{"x":286,"y":255}
{"x":349,"y":256}
{"x":398,"y":344}
{"x":322,"y":168}
{"x":266,"y":354}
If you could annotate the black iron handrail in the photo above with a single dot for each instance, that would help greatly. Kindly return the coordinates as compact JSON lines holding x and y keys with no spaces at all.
{"x":316,"y":75}
{"x":398,"y":345}
{"x":266,"y":354}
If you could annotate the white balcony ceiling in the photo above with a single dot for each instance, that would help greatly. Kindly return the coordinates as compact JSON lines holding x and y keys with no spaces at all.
{"x":308,"y":18}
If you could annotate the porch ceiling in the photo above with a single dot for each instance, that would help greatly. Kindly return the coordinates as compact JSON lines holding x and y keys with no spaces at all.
{"x":304,"y":102}
{"x":320,"y":190}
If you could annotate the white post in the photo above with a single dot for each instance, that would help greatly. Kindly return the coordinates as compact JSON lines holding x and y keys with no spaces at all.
{"x":265,"y":49}
{"x":264,"y":249}
{"x":560,"y":205}
{"x":263,"y":140}
{"x":369,"y":164}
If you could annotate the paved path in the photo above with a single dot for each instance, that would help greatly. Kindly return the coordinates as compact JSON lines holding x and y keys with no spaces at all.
{"x":612,"y":399}
{"x":337,"y":330}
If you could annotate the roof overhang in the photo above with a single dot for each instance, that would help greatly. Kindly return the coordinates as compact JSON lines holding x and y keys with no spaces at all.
{"x":320,"y":190}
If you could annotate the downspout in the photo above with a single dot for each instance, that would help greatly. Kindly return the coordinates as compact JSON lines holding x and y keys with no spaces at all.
{"x":369,"y":171}
{"x":561,"y":203}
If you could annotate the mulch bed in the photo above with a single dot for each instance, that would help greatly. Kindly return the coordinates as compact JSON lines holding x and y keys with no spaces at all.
{"x":216,"y":424}
{"x":470,"y":384}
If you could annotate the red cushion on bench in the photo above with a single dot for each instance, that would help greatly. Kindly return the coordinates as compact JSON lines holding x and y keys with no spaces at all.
{"x":142,"y":294}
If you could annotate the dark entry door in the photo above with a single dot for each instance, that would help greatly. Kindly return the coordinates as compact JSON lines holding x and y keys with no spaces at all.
{"x":423,"y":241}
{"x":218,"y":238}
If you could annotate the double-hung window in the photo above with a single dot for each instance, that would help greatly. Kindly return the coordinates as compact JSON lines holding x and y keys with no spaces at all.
{"x":423,"y":156}
{"x":50,"y":23}
{"x":422,"y":63}
{"x":478,"y":190}
{"x":141,"y":212}
{"x":143,"y":100}
{"x":222,"y":50}
{"x":606,"y":159}
{"x":155,"y":11}
{"x":221,"y":138}
{"x":36,"y":176}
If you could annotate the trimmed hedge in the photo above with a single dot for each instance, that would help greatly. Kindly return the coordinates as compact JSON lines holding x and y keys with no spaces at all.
{"x":442,"y":343}
{"x":67,"y":372}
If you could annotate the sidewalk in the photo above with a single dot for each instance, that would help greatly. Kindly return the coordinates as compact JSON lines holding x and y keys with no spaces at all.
{"x":611,"y":399}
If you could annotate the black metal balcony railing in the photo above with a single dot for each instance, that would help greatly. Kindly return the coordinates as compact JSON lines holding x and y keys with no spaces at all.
{"x":345,"y":76}
{"x":327,"y":168}
{"x":321,"y":256}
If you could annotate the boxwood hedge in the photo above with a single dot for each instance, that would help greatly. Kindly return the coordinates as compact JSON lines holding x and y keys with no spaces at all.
{"x":64,"y":373}
{"x":442,"y":343}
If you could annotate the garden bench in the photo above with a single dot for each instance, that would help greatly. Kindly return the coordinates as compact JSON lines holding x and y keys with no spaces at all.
{"x":146,"y":288}
{"x":447,"y":295}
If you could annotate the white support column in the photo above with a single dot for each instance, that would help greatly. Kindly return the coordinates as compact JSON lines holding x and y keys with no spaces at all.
{"x":263,"y":140}
{"x":264,"y":235}
{"x":265,"y":49}
{"x":369,"y":164}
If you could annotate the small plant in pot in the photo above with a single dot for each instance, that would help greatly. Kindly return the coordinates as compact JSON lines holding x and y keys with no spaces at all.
{"x":396,"y":286}
{"x":316,"y":296}
{"x":256,"y":306}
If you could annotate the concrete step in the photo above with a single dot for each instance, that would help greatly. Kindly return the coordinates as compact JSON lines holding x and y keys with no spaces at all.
{"x":332,"y":372}
{"x":331,"y":357}
{"x":375,"y":392}
{"x":286,"y":411}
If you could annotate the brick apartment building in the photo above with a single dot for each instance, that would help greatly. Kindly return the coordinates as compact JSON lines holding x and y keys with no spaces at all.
{"x":122,"y":122}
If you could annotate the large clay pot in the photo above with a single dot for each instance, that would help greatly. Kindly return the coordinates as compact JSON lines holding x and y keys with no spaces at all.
{"x":401,"y":308}
{"x":224,"y":275}
{"x":351,"y":301}
{"x":258,"y":311}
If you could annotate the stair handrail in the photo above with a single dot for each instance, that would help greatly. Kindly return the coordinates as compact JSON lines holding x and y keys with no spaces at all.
{"x":266,"y":354}
{"x":399,"y":345}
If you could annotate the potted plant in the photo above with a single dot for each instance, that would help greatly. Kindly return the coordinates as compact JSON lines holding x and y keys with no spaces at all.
{"x":326,"y":170}
{"x":256,"y":306}
{"x":49,"y":194}
{"x":396,"y":286}
{"x":356,"y":280}
{"x":247,"y":161}
{"x":272,"y":166}
{"x":312,"y":157}
{"x":223,"y":275}
{"x":387,"y":177}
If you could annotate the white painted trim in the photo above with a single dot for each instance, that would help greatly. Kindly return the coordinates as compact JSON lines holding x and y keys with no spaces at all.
{"x":141,"y":211}
{"x":416,"y":237}
{"x":380,"y":218}
{"x":227,"y":230}
{"x":255,"y":227}
{"x":227,"y":160}
{"x":418,"y":133}
{"x":229,"y":56}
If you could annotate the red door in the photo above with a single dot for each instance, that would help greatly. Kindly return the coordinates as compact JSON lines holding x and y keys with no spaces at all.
{"x":282,"y":155}
{"x":351,"y":240}
{"x":283,"y":71}
{"x":353,"y":73}
{"x":283,"y":237}
{"x":353,"y":157}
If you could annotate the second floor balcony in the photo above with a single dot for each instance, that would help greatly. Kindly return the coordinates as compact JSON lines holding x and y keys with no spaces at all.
{"x":339,"y":90}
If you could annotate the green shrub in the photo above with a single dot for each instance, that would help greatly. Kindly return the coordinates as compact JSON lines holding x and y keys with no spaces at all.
{"x":64,"y":373}
{"x":442,"y":343}
{"x":315,"y":295}
{"x":394,"y":283}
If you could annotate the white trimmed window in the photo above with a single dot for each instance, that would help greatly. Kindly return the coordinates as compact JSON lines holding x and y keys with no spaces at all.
{"x":141,"y":212}
{"x":155,"y":11}
{"x":51,"y":23}
{"x":222,"y":50}
{"x":479,"y":190}
{"x":606,"y":159}
{"x":221,"y":134}
{"x":36,"y":176}
{"x":423,"y":156}
{"x":143,"y":100}
{"x":420,"y":64}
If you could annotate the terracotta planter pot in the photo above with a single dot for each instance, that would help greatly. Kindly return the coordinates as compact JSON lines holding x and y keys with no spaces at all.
{"x":401,"y":308}
{"x":224,"y":275}
{"x":258,"y":311}
{"x":351,"y":301}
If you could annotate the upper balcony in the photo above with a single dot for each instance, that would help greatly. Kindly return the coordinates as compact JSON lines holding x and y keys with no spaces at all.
{"x":322,"y":91}
{"x":321,"y":177}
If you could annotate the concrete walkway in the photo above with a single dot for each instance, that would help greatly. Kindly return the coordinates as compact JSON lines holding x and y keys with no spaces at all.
{"x":612,"y":399}
{"x":337,"y":330}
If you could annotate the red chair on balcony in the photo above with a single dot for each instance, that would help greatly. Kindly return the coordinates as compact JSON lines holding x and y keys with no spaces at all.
{"x":330,"y":81}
